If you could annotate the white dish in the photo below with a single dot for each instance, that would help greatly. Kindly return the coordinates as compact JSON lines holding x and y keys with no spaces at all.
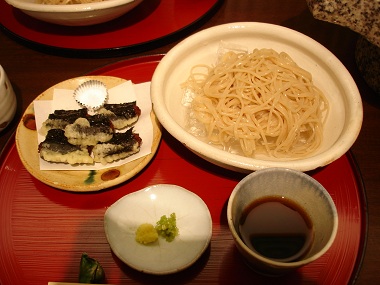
{"x":76,"y":14}
{"x":147,"y":206}
{"x":329,"y":74}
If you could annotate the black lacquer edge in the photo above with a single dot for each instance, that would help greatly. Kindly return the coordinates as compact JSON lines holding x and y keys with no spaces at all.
{"x":364,"y":220}
{"x":116,"y":51}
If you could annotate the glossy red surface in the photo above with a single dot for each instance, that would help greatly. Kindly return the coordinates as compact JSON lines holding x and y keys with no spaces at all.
{"x":151,"y":22}
{"x":45,"y":230}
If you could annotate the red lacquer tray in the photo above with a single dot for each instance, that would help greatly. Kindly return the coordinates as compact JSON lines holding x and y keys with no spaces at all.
{"x":152,"y":23}
{"x":44,"y":230}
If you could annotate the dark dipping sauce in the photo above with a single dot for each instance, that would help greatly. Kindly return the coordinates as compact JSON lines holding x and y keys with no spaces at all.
{"x":277,"y":228}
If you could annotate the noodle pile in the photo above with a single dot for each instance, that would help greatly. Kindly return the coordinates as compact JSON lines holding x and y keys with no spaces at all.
{"x":257,"y":103}
{"x":66,"y":2}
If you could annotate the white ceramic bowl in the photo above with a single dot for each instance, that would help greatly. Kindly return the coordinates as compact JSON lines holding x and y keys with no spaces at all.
{"x":147,"y":206}
{"x":76,"y":14}
{"x":297,"y":187}
{"x":8,"y":101}
{"x":329,"y":74}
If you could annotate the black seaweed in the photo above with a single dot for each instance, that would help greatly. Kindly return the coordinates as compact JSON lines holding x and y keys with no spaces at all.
{"x":98,"y":124}
{"x":127,"y":140}
{"x":68,"y":115}
{"x":56,"y":141}
{"x":125,"y":110}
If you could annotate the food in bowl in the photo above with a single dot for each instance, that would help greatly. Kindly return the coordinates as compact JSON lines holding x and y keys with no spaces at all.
{"x":84,"y":14}
{"x":341,"y":124}
{"x":281,"y":219}
{"x":256,"y":102}
{"x":277,"y":228}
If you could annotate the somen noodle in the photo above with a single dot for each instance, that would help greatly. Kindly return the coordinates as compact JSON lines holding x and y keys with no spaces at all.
{"x":257,"y":103}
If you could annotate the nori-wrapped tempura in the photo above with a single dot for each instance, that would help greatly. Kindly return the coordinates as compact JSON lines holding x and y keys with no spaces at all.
{"x":61,"y":118}
{"x":89,"y":131}
{"x":121,"y":115}
{"x":120,"y":146}
{"x":56,"y":148}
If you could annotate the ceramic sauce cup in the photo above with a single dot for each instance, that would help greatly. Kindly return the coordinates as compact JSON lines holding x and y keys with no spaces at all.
{"x":8,"y":102}
{"x":281,"y":219}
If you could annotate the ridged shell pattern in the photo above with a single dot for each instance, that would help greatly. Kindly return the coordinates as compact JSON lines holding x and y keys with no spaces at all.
{"x":91,"y":94}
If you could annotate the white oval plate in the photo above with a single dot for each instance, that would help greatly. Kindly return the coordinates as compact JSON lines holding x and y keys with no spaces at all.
{"x":147,"y":206}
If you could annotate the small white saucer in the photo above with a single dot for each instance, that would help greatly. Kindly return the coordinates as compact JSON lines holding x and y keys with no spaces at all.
{"x":147,"y":206}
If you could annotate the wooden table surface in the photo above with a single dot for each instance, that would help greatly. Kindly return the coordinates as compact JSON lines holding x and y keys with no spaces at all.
{"x":32,"y":71}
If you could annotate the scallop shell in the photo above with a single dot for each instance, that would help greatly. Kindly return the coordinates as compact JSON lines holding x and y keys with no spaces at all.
{"x":91,"y":94}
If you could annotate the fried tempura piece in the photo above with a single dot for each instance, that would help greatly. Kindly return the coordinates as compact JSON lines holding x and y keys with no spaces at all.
{"x":120,"y":146}
{"x":56,"y":148}
{"x":121,"y":115}
{"x":61,"y":118}
{"x":89,"y":131}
